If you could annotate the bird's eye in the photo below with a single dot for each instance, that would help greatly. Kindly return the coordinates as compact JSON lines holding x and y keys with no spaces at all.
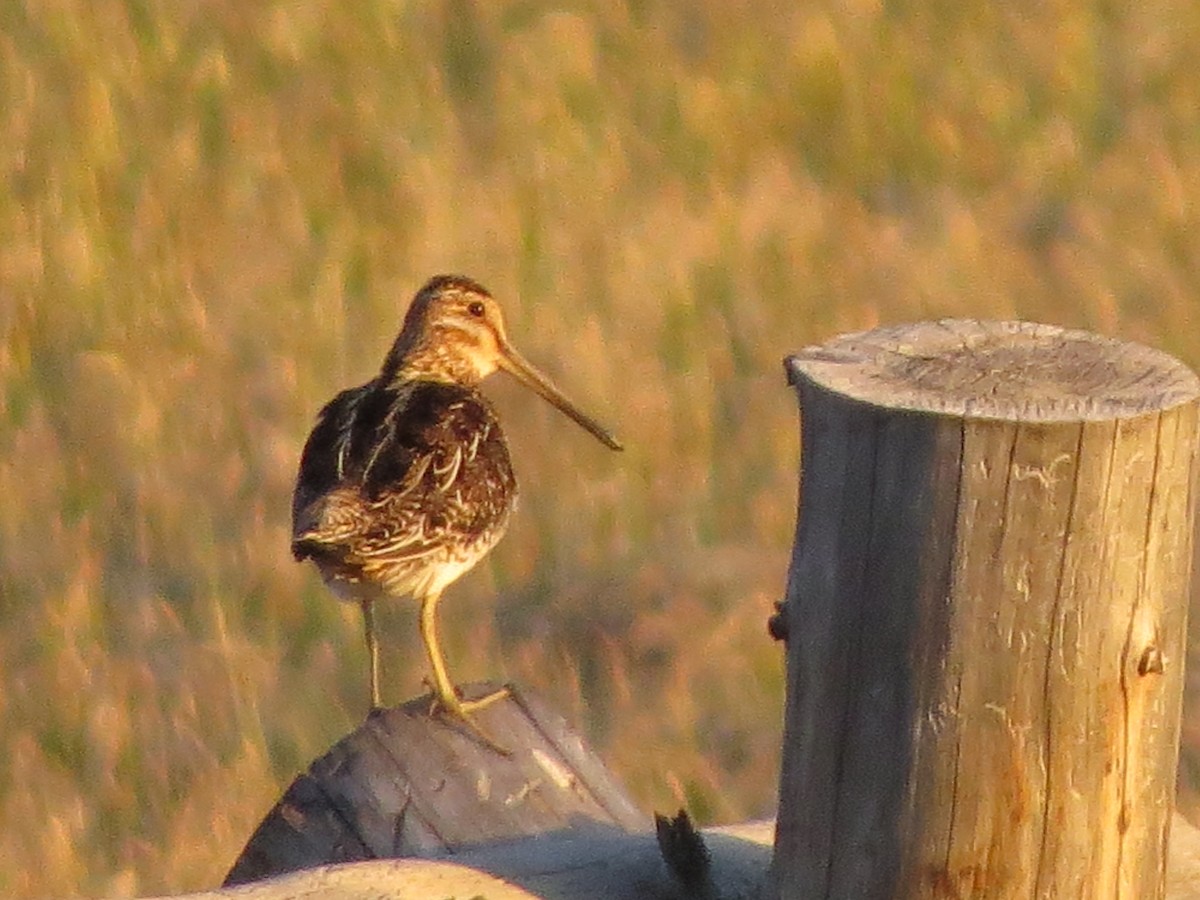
{"x":475,"y":308}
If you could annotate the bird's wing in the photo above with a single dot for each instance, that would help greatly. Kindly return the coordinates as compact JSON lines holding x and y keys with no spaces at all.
{"x":323,"y":463}
{"x":397,"y":475}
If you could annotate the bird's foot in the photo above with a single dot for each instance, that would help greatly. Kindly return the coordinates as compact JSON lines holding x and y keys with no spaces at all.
{"x":453,"y":706}
{"x":486,"y":700}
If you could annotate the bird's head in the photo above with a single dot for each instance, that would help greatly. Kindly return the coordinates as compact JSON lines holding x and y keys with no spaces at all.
{"x":454,"y":332}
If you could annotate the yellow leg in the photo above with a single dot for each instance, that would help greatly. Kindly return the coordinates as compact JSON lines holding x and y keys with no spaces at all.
{"x":445,"y":695}
{"x":368,"y":609}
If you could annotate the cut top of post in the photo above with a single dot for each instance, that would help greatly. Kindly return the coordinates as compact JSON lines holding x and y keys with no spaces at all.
{"x":1016,"y":371}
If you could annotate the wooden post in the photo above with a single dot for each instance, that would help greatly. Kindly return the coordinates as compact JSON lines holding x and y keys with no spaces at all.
{"x":985,"y":615}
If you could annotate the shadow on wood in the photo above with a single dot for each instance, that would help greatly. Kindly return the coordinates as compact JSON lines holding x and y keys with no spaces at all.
{"x":407,"y":783}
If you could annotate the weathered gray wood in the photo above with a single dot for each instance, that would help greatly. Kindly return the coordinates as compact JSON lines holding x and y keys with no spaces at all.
{"x":1011,"y":371}
{"x":406,"y":783}
{"x":593,"y":863}
{"x":613,"y":866}
{"x":986,"y":611}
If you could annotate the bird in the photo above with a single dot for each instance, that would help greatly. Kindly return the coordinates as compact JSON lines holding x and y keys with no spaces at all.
{"x":406,"y":482}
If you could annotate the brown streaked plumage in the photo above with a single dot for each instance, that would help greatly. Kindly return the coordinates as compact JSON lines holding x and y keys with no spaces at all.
{"x":405,"y":482}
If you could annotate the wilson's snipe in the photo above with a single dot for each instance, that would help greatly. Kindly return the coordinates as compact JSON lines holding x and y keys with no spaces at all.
{"x":405,"y":482}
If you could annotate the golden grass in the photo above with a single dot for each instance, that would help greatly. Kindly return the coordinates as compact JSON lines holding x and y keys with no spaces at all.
{"x":216,"y":211}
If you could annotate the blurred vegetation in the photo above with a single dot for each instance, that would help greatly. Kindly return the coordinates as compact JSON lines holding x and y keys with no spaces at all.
{"x":214,"y":215}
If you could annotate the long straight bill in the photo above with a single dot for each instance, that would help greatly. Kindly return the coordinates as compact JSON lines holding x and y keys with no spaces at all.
{"x":514,"y":364}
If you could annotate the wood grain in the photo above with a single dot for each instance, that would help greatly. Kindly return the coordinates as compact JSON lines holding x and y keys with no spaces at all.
{"x":406,"y":783}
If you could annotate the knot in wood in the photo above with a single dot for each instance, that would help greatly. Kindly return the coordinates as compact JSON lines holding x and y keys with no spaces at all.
{"x":1151,"y":661}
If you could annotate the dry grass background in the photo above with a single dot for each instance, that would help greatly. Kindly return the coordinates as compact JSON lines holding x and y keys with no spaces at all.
{"x":215,"y":212}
